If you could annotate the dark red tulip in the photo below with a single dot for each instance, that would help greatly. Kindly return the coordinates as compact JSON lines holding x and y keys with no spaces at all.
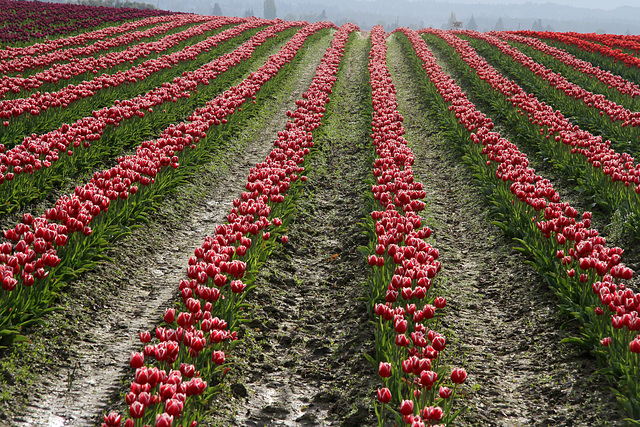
{"x":458,"y":375}
{"x":384,"y":395}
{"x":137,"y":360}
{"x":406,"y":407}
{"x":384,"y":369}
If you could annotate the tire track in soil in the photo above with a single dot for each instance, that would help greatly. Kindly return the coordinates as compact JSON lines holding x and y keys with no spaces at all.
{"x":300,"y":361}
{"x":502,"y":319}
{"x":92,"y":339}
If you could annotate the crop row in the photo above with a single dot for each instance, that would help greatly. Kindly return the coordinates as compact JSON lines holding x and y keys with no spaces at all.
{"x":192,"y":342}
{"x":63,"y":239}
{"x":41,"y":102}
{"x":614,"y":81}
{"x":610,"y":177}
{"x":581,"y":43}
{"x":586,"y":273}
{"x":80,"y":39}
{"x":408,"y":345}
{"x":26,"y":170}
{"x":25,"y":21}
{"x":57,"y":58}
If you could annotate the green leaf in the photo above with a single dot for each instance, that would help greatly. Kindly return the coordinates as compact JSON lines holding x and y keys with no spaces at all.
{"x":370,"y":359}
{"x":364,"y":250}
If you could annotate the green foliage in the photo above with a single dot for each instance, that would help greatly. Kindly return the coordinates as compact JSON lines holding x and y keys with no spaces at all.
{"x":114,"y":3}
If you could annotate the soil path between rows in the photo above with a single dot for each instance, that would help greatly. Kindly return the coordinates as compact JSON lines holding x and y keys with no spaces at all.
{"x":301,"y":362}
{"x":89,"y":343}
{"x":502,"y":319}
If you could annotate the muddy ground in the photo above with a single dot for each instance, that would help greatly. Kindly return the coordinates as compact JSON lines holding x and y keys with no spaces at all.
{"x":310,"y":328}
{"x":301,"y":360}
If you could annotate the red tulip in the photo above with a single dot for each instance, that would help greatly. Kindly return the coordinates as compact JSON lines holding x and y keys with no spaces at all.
{"x":384,"y":395}
{"x":169,"y":315}
{"x":237,"y":286}
{"x":164,"y":420}
{"x":406,"y":407}
{"x":137,"y":360}
{"x":145,"y":337}
{"x":136,"y":410}
{"x":218,"y":357}
{"x":444,"y":392}
{"x":112,"y":420}
{"x":384,"y":369}
{"x":458,"y":375}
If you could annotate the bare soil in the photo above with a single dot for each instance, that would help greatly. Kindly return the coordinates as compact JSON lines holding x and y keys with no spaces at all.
{"x":301,"y":362}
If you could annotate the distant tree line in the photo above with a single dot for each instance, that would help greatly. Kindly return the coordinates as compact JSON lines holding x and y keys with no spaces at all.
{"x":113,"y":3}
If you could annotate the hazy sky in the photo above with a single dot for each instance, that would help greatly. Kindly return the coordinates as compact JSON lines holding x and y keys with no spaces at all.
{"x":596,"y":4}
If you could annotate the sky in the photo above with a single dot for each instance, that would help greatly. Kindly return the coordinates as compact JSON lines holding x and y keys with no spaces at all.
{"x":595,"y":4}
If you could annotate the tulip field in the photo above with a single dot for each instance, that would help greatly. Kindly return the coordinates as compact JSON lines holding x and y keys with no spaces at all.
{"x":230,"y":221}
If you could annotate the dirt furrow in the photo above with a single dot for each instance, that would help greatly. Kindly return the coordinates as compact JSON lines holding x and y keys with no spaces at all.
{"x":87,"y":345}
{"x":301,"y":360}
{"x":502,"y":319}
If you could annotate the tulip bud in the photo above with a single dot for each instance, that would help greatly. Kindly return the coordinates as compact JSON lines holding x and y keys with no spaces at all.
{"x":384,"y":395}
{"x":384,"y":369}
{"x":406,"y":407}
{"x":444,"y":392}
{"x":169,"y":315}
{"x":137,"y":360}
{"x":458,"y":375}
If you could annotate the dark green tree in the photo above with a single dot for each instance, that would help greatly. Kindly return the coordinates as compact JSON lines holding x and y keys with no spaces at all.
{"x":499,"y":25}
{"x":269,"y":9}
{"x":216,"y":10}
{"x":472,"y":24}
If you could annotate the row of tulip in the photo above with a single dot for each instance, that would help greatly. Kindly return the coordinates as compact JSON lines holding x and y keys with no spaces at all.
{"x":41,"y":252}
{"x":586,"y":273}
{"x":609,"y":79}
{"x":408,"y":345}
{"x":82,"y":38}
{"x":27,"y":169}
{"x":29,"y":63}
{"x":622,"y":120}
{"x":196,"y":338}
{"x":615,"y":54}
{"x":24,"y":21}
{"x":610,"y":176}
{"x":40,"y":102}
{"x":628,"y":42}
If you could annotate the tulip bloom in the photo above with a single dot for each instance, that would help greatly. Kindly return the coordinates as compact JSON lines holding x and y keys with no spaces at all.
{"x":137,"y":360}
{"x":384,"y":395}
{"x":406,"y":407}
{"x":136,"y":410}
{"x":384,"y":369}
{"x":458,"y":375}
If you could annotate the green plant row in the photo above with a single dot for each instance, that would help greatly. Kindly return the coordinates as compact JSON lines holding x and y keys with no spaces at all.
{"x":26,"y":188}
{"x":597,"y":188}
{"x":520,"y":221}
{"x":52,"y":118}
{"x":623,"y":139}
{"x":26,"y":305}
